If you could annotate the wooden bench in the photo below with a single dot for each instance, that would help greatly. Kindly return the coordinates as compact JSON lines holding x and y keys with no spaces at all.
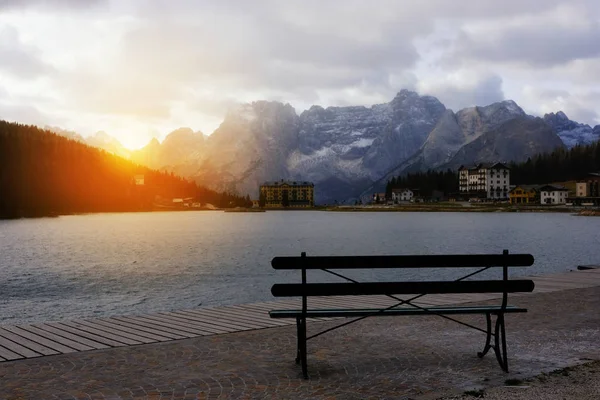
{"x":392,"y":289}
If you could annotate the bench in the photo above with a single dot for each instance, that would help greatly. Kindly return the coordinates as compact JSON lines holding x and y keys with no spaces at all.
{"x":414,"y":291}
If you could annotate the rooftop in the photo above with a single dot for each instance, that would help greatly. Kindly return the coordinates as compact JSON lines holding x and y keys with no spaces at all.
{"x":289,"y":183}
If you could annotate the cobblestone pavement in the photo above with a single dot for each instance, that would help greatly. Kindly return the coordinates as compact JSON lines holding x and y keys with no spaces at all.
{"x":580,"y":382}
{"x":379,"y":358}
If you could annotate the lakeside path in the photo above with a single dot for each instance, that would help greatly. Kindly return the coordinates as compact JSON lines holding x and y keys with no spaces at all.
{"x":387,"y":358}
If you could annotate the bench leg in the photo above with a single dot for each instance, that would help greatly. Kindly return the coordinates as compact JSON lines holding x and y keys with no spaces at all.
{"x":298,"y":336}
{"x":499,"y":345}
{"x":303,"y":349}
{"x":487,"y":347}
{"x":502,"y":357}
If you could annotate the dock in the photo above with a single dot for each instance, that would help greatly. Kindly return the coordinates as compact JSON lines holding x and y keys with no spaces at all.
{"x":46,"y":339}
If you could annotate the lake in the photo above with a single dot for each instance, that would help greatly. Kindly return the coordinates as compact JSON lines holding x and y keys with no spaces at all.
{"x":131,"y":263}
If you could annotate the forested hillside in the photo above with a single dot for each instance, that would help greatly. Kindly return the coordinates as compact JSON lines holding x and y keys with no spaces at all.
{"x":42,"y":173}
{"x":558,"y":166}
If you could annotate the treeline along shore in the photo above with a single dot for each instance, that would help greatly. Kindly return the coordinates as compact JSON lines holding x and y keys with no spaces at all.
{"x":44,"y":174}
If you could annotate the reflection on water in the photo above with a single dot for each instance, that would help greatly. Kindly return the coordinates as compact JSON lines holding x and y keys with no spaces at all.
{"x":107,"y":264}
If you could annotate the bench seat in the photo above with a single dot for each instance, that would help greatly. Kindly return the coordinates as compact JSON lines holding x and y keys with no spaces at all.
{"x":362,"y":312}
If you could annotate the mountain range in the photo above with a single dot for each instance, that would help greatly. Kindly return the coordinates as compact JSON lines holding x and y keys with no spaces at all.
{"x":350,"y":152}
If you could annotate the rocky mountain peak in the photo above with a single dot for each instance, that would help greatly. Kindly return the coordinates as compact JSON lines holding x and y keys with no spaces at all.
{"x":183,"y":136}
{"x":153,"y":143}
{"x":572,"y":133}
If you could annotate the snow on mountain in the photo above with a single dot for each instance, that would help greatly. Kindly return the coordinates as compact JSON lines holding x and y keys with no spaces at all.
{"x":572,"y":133}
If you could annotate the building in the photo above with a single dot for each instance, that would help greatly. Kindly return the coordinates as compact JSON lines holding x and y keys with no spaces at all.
{"x":488,"y":181}
{"x":139,"y":180}
{"x":399,"y":195}
{"x":581,"y":189}
{"x":293,"y":194}
{"x":524,"y":194}
{"x":587,"y":191}
{"x":590,"y":187}
{"x":378,"y":198}
{"x":553,"y":194}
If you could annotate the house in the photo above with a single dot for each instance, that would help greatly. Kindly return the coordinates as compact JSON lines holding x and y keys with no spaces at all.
{"x":399,"y":195}
{"x":524,"y":194}
{"x":553,"y":194}
{"x":255,"y":203}
{"x":587,"y":191}
{"x":293,"y":194}
{"x":488,"y":181}
{"x":590,"y":187}
{"x":378,"y":198}
{"x":581,"y":189}
{"x":139,"y":180}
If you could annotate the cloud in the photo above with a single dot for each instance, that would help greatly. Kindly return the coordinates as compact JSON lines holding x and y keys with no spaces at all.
{"x":464,"y":89}
{"x":22,"y":114}
{"x":50,"y":4}
{"x":577,"y":105}
{"x":18,"y":59}
{"x":551,"y":38}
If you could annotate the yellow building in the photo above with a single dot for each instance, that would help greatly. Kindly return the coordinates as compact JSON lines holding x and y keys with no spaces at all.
{"x":293,"y":194}
{"x":524,"y":194}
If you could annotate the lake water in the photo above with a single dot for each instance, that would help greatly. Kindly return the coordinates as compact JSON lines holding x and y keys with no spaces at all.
{"x":132,"y":263}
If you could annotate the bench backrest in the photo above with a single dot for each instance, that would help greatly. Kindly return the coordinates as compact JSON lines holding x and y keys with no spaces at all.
{"x":483,"y":261}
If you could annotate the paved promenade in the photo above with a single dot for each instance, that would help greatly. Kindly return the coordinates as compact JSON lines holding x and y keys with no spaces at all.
{"x":382,"y":358}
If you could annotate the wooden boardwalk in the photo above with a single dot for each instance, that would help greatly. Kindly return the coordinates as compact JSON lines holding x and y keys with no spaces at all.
{"x":37,"y":340}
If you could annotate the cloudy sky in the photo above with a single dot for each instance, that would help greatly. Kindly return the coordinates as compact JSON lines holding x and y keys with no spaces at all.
{"x":141,"y":68}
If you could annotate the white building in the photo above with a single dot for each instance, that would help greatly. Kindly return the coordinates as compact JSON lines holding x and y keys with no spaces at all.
{"x":552,"y":194}
{"x":490,"y":181}
{"x":399,"y":195}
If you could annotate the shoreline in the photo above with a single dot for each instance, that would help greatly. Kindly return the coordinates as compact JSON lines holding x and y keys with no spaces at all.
{"x":447,"y":207}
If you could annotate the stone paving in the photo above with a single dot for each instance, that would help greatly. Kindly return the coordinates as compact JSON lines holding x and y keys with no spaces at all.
{"x":378,"y":358}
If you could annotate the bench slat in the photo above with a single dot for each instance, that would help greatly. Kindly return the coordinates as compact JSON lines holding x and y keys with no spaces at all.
{"x":389,"y":288}
{"x":407,"y":261}
{"x":320,"y":313}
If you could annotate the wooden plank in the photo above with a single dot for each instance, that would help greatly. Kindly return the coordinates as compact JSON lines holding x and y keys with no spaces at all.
{"x":158,"y":325}
{"x":346,"y":289}
{"x":56,"y":338}
{"x":157,"y":333}
{"x":68,"y":335}
{"x":138,"y":330}
{"x":102,"y":329}
{"x":216,"y":316}
{"x":65,"y":326}
{"x":574,"y":278}
{"x":248,"y":317}
{"x":209,"y":328}
{"x":103,"y":334}
{"x":408,"y":261}
{"x":190,"y":316}
{"x":59,"y":347}
{"x":13,"y":347}
{"x":190,"y":330}
{"x":38,"y":348}
{"x":210,"y":319}
{"x":8,"y":355}
{"x":185,"y":319}
{"x":582,"y":282}
{"x":262,"y":312}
